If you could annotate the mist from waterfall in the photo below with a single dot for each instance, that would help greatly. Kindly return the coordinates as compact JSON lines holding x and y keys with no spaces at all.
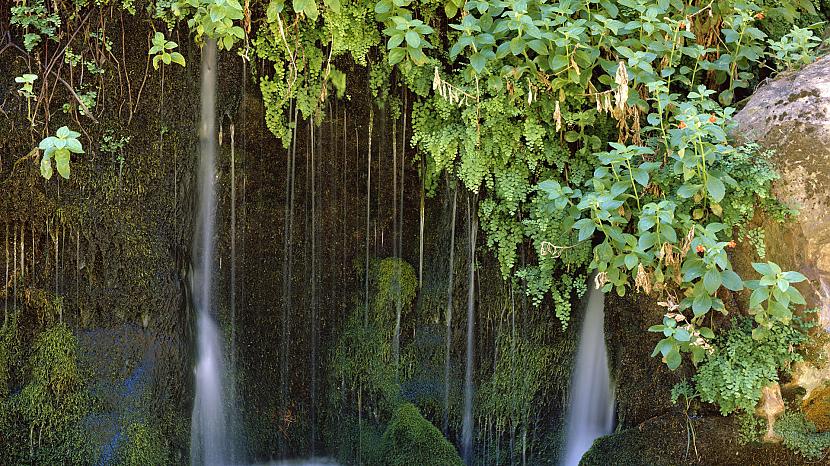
{"x":210,"y":438}
{"x":591,"y":409}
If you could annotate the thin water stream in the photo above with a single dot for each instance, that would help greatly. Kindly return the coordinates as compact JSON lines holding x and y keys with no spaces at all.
{"x":591,"y":411}
{"x":211,"y":442}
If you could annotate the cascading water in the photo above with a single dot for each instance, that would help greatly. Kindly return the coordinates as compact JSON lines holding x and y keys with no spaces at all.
{"x":210,"y":440}
{"x":591,"y":412}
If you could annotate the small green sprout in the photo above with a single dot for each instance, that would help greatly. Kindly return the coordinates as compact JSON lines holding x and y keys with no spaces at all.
{"x":163,"y":51}
{"x":59,"y":147}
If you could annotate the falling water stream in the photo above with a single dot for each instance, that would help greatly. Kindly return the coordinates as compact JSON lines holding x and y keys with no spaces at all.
{"x":210,"y":439}
{"x":591,"y":411}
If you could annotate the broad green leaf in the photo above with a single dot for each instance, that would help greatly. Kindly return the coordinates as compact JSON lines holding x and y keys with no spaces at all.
{"x":396,"y":55}
{"x":333,"y":5}
{"x":793,"y":277}
{"x":711,"y":281}
{"x":731,"y":280}
{"x":62,"y":162}
{"x":413,"y":39}
{"x":46,"y":167}
{"x":758,"y":297}
{"x":715,"y":188}
{"x":673,"y":359}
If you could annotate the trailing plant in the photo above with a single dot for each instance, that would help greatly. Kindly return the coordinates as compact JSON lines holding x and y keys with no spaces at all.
{"x":59,"y":147}
{"x":35,"y":21}
{"x":27,"y":90}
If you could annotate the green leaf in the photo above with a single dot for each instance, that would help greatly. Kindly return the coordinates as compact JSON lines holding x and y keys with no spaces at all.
{"x":631,"y":261}
{"x":274,"y":9}
{"x":333,"y":5}
{"x":46,"y":167}
{"x":758,"y":297}
{"x":73,"y":145}
{"x":62,"y":162}
{"x":731,"y":280}
{"x":793,"y":277}
{"x":396,"y":55}
{"x":715,"y":188}
{"x":711,"y":281}
{"x":673,"y":359}
{"x":663,"y":347}
{"x":706,"y":332}
{"x":688,"y":190}
{"x":413,"y":39}
{"x":478,"y":62}
{"x":762,"y":268}
{"x":176,"y":57}
{"x":682,"y":335}
{"x":701,"y":304}
{"x":63,"y":132}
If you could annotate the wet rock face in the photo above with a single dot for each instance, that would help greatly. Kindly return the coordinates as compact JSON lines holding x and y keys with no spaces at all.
{"x":791,"y":115}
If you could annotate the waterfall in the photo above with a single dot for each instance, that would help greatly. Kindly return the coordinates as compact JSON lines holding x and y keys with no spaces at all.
{"x":467,"y":420}
{"x":591,"y":412}
{"x":211,"y":443}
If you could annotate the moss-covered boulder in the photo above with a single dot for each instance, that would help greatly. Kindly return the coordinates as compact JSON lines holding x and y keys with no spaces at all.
{"x":665,"y":440}
{"x":411,"y":439}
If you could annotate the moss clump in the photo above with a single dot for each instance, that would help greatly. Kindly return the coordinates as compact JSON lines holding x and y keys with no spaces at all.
{"x":50,"y":407}
{"x":411,"y":439}
{"x":395,"y":285}
{"x":145,"y":447}
{"x":817,"y":408}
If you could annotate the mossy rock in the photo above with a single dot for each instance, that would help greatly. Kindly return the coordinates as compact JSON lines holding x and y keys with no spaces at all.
{"x":817,"y":408}
{"x":411,"y":439}
{"x":663,"y":441}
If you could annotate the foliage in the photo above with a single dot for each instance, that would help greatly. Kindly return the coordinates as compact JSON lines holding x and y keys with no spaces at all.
{"x":411,"y":439}
{"x":686,"y":391}
{"x":739,"y":365}
{"x":750,"y":428}
{"x":145,"y":447}
{"x":795,"y":49}
{"x":163,"y":51}
{"x":212,"y":18}
{"x":59,"y":147}
{"x":35,"y":21}
{"x":27,"y":81}
{"x":800,"y":435}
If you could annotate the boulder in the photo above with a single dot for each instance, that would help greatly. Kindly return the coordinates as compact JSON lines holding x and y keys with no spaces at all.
{"x":791,"y":116}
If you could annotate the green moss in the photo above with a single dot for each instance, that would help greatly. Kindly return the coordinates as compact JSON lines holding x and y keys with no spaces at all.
{"x":395,"y":285}
{"x":410,"y":439}
{"x":145,"y":447}
{"x":53,"y":402}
